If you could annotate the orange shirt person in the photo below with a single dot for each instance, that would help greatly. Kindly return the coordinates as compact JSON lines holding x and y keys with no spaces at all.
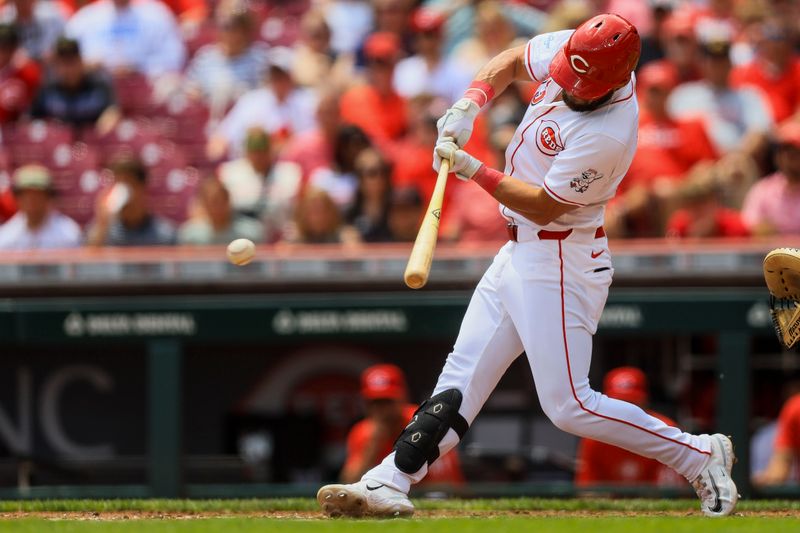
{"x":374,"y":106}
{"x":383,"y":388}
{"x":604,"y":464}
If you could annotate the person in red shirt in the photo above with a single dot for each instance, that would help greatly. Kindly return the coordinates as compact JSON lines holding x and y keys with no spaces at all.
{"x":374,"y":106}
{"x":681,"y":51}
{"x":786,"y":447}
{"x":668,"y":149}
{"x":604,"y":464}
{"x":20,"y":76}
{"x":383,"y":388}
{"x":775,"y":71}
{"x":702,"y":214}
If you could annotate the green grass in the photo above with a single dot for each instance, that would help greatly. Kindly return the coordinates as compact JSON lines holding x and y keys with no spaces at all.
{"x":449,"y":525}
{"x":565,"y":516}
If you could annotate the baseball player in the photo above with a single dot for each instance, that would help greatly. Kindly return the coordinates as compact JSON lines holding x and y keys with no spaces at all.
{"x":547,"y":286}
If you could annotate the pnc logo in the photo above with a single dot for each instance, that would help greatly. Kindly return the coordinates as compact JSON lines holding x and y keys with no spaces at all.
{"x":548,"y":138}
{"x":575,"y":59}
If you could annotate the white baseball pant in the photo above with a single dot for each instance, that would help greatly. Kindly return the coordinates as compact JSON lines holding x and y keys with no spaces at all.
{"x":546,"y":297}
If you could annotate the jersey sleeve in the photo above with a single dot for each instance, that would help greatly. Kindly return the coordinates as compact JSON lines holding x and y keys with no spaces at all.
{"x":541,"y":50}
{"x":587,"y":172}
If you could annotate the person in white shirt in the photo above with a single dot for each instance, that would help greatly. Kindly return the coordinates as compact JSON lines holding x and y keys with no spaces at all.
{"x":428,"y":71}
{"x":730,"y":115}
{"x":39,"y":24}
{"x":38,"y":224}
{"x":129,"y":35}
{"x":280,"y":108}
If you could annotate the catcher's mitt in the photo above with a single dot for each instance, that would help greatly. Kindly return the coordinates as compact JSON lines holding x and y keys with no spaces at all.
{"x":782,"y":273}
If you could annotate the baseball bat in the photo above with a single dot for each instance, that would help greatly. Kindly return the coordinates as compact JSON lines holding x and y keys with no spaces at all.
{"x":419,"y":262}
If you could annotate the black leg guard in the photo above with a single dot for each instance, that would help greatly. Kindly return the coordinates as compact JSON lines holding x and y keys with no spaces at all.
{"x":419,"y":441}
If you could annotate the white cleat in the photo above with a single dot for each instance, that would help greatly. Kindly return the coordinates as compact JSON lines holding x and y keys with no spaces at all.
{"x":714,"y":485}
{"x":365,"y":498}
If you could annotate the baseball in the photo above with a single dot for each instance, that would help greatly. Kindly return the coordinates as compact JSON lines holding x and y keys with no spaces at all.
{"x":241,"y":251}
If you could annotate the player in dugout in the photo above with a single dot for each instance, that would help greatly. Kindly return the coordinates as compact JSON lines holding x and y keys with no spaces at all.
{"x":383,"y":388}
{"x":601,"y":464}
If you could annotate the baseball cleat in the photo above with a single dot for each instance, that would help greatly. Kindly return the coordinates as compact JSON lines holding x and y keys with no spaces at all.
{"x":365,"y":498}
{"x":714,"y":485}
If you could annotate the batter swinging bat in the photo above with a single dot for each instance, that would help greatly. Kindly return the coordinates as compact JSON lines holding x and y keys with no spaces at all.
{"x":419,"y":263}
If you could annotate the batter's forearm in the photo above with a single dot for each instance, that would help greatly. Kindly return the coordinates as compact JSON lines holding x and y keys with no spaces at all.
{"x":530,"y":201}
{"x":503,"y":69}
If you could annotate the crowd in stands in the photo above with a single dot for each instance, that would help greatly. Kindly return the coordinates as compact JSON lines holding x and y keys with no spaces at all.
{"x":147,"y":122}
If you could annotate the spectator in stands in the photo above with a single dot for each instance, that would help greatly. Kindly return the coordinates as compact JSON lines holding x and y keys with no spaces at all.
{"x":75,"y":95}
{"x":668,"y":148}
{"x":374,"y":106}
{"x":280,"y":108}
{"x":494,"y":33}
{"x":772,"y":206}
{"x":782,"y":466}
{"x":392,"y":16}
{"x":314,"y":149}
{"x":429,"y":71}
{"x":128,"y":36}
{"x":604,"y":464}
{"x":702,"y":215}
{"x":223,"y":71}
{"x":39,"y":23}
{"x":340,"y":181}
{"x":38,"y":224}
{"x":261,"y":188}
{"x":350,"y":21}
{"x":775,"y":71}
{"x":317,"y":219}
{"x":122,"y":214}
{"x":216,"y":222}
{"x":405,"y":214}
{"x":316,"y":63}
{"x":653,"y":42}
{"x":731,"y":116}
{"x":19,"y":76}
{"x":368,"y":217}
{"x":383,"y":388}
{"x":679,"y":42}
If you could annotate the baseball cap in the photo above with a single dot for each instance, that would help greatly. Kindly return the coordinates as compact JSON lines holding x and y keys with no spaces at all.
{"x":281,"y":58}
{"x":680,"y":24}
{"x":32,"y":177}
{"x":626,"y":383}
{"x":382,"y":45}
{"x":657,"y":74}
{"x":789,"y":134}
{"x":67,"y":48}
{"x":383,"y":382}
{"x":427,"y":20}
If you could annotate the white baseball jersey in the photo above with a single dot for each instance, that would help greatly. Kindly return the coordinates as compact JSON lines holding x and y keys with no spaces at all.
{"x":578,"y":158}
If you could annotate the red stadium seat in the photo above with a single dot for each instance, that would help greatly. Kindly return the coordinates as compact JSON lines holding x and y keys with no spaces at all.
{"x":129,"y":137}
{"x":77,"y":180}
{"x":35,"y":141}
{"x":171,"y":193}
{"x":134,"y":93}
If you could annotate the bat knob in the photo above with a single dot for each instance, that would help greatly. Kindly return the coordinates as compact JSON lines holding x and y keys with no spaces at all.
{"x":415,"y":280}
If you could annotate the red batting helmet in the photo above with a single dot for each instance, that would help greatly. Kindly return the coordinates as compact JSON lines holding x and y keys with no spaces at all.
{"x":598,"y":57}
{"x":626,"y":383}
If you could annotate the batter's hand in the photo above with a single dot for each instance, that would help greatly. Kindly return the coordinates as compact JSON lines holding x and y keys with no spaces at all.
{"x":464,"y":165}
{"x":458,"y":121}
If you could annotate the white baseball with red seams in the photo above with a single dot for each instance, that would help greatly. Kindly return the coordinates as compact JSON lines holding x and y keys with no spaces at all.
{"x":545,"y":293}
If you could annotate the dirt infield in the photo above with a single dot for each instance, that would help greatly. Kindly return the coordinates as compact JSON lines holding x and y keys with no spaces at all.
{"x":316,"y":515}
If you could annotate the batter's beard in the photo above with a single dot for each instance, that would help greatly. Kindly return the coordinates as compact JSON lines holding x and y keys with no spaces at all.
{"x":589,"y":106}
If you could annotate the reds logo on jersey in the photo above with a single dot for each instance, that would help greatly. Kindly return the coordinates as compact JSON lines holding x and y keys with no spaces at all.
{"x":538,"y":96}
{"x":548,"y":138}
{"x":587,"y":177}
